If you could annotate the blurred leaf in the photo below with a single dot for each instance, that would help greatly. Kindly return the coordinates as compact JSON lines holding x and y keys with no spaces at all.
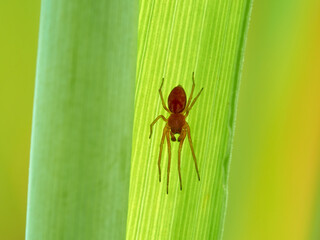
{"x":82,"y":123}
{"x":175,"y":39}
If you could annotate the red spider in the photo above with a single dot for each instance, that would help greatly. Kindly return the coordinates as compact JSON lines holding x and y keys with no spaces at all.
{"x":176,"y":124}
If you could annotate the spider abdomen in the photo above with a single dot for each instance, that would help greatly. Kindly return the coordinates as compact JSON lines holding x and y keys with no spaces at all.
{"x":176,"y":121}
{"x":177,"y":100}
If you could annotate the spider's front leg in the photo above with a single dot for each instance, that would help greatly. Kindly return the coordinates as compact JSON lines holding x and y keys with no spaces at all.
{"x":180,"y":139}
{"x":165,"y":130}
{"x":169,"y":158}
{"x":187,"y":128}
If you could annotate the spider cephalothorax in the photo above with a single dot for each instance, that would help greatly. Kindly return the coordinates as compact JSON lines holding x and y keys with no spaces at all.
{"x":179,"y":109}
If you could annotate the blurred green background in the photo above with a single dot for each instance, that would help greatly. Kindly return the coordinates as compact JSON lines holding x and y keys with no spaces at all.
{"x":274,"y":186}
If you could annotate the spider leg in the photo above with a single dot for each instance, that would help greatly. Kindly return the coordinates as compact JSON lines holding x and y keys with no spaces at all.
{"x":154,"y":122}
{"x":162,"y":100}
{"x":193,"y":102}
{"x":161,"y":146}
{"x":190,"y":98}
{"x":169,"y":159}
{"x":191,"y":146}
{"x":181,"y":139}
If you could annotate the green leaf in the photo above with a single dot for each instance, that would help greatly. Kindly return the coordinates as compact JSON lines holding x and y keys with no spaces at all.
{"x":177,"y":38}
{"x":82,"y":123}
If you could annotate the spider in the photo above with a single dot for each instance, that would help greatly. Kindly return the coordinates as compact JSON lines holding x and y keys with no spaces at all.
{"x":178,"y":109}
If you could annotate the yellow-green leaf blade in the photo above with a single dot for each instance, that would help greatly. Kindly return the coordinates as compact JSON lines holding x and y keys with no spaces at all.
{"x":175,"y":39}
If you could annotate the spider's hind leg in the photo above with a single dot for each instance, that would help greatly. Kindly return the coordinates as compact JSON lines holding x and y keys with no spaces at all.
{"x":192,"y":89}
{"x":162,"y":100}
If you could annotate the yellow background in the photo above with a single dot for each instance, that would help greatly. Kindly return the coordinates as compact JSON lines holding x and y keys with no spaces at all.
{"x":19,"y":22}
{"x":274,"y":176}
